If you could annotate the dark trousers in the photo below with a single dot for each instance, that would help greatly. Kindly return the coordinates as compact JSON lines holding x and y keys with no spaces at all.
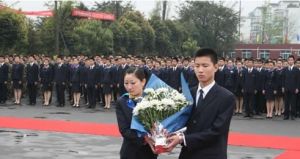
{"x":248,"y":102}
{"x":3,"y":93}
{"x":290,"y":104}
{"x":91,"y":93}
{"x":298,"y":105}
{"x":115,"y":93}
{"x":259,"y":103}
{"x":32,"y":91}
{"x":84,"y":93}
{"x":60,"y":93}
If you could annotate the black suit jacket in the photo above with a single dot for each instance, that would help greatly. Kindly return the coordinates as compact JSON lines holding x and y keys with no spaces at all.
{"x":61,"y":74}
{"x":4,"y":73}
{"x":207,"y":129}
{"x":249,"y":81}
{"x":133,"y":147}
{"x":32,"y":73}
{"x":290,"y":80}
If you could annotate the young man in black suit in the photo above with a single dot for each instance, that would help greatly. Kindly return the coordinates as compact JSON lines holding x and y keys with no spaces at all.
{"x":3,"y":80}
{"x":207,"y":129}
{"x":249,"y":80}
{"x":60,"y":79}
{"x":298,"y":95}
{"x":290,"y":88}
{"x":92,"y":83}
{"x":32,"y":76}
{"x":220,"y":74}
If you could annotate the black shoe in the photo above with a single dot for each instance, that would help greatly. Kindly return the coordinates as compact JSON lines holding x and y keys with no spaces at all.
{"x":292,"y":118}
{"x":286,"y":118}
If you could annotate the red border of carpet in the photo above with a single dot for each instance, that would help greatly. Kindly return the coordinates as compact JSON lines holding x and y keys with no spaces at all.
{"x":290,"y":144}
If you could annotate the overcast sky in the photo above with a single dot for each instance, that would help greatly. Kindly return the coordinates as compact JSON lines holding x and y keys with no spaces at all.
{"x":145,"y":6}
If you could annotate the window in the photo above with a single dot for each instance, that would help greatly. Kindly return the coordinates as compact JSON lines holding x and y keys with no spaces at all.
{"x":285,"y":54}
{"x":264,"y":54}
{"x":246,"y":54}
{"x":298,"y":53}
{"x":231,"y":54}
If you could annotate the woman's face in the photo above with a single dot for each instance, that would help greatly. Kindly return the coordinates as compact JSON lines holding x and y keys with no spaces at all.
{"x":133,"y":85}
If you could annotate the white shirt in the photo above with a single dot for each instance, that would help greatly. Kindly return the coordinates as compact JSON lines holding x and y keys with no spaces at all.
{"x":221,"y":68}
{"x":1,"y":64}
{"x":250,"y":69}
{"x":291,"y":67}
{"x":205,"y":90}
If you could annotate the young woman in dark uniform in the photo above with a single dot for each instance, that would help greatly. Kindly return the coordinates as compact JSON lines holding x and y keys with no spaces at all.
{"x":238,"y":88}
{"x":133,"y":147}
{"x":279,"y":108}
{"x":107,"y":84}
{"x":17,"y":79}
{"x":269,"y":89}
{"x":75,"y":82}
{"x":46,"y":76}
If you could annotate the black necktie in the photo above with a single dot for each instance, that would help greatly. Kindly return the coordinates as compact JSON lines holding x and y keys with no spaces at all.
{"x":200,"y":98}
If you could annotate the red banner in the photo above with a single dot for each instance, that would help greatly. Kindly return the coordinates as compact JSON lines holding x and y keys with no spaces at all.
{"x":75,"y":12}
{"x":48,"y":13}
{"x":93,"y":15}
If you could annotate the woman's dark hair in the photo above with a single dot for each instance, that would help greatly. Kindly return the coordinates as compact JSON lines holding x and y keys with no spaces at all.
{"x":140,"y":73}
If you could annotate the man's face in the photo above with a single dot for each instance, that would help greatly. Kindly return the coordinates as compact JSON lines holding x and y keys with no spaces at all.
{"x":185,"y":63}
{"x":291,"y":61}
{"x":221,"y":63}
{"x":1,"y":59}
{"x":31,"y":59}
{"x":250,"y":64}
{"x":205,"y":69}
{"x":174,"y":63}
{"x":229,"y":63}
{"x":58,"y":60}
{"x":298,"y":64}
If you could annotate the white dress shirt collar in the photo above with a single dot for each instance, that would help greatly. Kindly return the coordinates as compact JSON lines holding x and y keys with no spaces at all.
{"x":205,"y":89}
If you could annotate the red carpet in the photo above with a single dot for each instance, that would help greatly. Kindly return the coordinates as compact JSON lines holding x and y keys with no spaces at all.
{"x":60,"y":126}
{"x":289,"y":155}
{"x":290,"y":144}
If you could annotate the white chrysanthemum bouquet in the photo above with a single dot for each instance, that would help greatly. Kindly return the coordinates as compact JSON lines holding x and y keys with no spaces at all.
{"x":161,"y":108}
{"x":158,"y":105}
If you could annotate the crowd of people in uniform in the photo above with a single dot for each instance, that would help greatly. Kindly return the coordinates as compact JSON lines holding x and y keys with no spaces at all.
{"x":268,"y":87}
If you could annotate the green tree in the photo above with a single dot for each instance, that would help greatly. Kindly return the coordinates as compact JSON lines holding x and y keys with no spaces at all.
{"x":189,"y":47}
{"x":210,"y":24}
{"x":91,"y":38}
{"x":13,"y":32}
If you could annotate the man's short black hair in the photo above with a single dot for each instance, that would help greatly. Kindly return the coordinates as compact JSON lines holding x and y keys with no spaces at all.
{"x":211,"y":53}
{"x":291,"y":56}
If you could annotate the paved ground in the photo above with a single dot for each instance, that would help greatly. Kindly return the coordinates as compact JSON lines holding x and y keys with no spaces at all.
{"x":27,"y":144}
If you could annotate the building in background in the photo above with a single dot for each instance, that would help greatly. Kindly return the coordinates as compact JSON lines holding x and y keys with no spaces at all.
{"x":265,"y":51}
{"x":274,"y":23}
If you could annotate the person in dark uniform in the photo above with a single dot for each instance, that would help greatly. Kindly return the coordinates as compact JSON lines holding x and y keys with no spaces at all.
{"x":298,"y":95}
{"x":249,"y":87}
{"x":270,"y":88}
{"x":83,"y":76}
{"x":230,"y":74}
{"x":239,"y":87}
{"x":32,"y":76}
{"x":133,"y":147}
{"x":259,"y":99}
{"x":17,"y":79}
{"x":75,"y":81}
{"x":207,"y":131}
{"x":46,"y":77}
{"x":220,"y":74}
{"x":92,"y":80}
{"x":279,"y":107}
{"x":107,"y":84}
{"x":290,"y":88}
{"x":193,"y":81}
{"x":121,"y":74}
{"x":3,"y":80}
{"x":174,"y":75}
{"x":60,"y":79}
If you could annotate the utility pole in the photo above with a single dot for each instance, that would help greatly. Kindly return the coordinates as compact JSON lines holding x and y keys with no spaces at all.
{"x":164,"y":10}
{"x":240,"y":12}
{"x":56,"y":29}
